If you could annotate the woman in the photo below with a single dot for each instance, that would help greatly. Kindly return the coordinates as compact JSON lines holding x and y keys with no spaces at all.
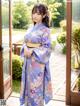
{"x":36,"y":80}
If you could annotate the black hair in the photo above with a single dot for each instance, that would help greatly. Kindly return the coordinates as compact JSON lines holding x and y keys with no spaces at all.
{"x":43,"y":10}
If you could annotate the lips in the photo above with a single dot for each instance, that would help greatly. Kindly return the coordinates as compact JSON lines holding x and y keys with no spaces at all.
{"x":34,"y":19}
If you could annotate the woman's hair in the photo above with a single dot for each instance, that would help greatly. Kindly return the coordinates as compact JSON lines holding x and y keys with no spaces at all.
{"x":43,"y":10}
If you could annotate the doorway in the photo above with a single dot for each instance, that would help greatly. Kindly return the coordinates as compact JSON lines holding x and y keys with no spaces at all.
{"x":5,"y":52}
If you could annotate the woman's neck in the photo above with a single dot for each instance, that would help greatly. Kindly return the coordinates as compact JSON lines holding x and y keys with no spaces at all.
{"x":39,"y":23}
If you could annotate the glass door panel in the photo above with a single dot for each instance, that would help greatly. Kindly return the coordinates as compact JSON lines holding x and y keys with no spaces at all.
{"x":5,"y":38}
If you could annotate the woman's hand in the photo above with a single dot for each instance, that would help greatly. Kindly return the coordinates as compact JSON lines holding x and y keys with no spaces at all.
{"x":27,"y":52}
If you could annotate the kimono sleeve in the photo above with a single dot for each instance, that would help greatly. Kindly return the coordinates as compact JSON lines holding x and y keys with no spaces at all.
{"x":22,"y":48}
{"x":43,"y":52}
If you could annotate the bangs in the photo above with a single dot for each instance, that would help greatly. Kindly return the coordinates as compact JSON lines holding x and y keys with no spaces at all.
{"x":38,"y":9}
{"x":35,"y":10}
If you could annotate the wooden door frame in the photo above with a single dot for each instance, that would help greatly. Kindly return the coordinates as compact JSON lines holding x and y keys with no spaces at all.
{"x":1,"y":68}
{"x":8,"y":83}
{"x":68,"y":55}
{"x":10,"y":37}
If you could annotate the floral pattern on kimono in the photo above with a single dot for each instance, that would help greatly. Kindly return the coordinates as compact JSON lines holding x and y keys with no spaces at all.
{"x":36,"y":79}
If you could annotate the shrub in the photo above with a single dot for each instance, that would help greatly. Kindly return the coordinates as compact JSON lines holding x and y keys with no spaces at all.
{"x":62,"y":41}
{"x":63,"y":25}
{"x":16,"y":67}
{"x":76,"y":38}
{"x":16,"y":88}
{"x":64,"y":50}
{"x":62,"y":38}
{"x":76,"y":45}
{"x":53,"y":44}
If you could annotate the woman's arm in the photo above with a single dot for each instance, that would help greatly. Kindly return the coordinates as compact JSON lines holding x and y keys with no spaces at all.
{"x":43,"y":52}
{"x":27,"y":52}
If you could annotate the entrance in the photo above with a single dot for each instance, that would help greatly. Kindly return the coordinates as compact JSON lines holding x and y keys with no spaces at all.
{"x":6,"y":51}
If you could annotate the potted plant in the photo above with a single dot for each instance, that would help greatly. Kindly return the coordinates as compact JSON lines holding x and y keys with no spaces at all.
{"x":75,"y":92}
{"x":76,"y":46}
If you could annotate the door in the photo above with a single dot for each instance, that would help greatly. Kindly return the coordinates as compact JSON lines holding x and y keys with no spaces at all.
{"x":73,"y":53}
{"x":5,"y":49}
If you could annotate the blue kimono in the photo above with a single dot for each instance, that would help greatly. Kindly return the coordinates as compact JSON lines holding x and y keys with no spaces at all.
{"x":36,"y":80}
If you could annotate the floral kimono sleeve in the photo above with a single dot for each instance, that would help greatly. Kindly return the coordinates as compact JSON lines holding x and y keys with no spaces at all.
{"x":22,"y":49}
{"x":42,"y":53}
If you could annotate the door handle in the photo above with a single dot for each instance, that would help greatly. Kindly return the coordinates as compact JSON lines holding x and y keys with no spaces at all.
{"x":1,"y":48}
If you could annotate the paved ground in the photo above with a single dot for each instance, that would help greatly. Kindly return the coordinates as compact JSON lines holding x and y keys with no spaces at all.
{"x":15,"y":102}
{"x":58,"y":73}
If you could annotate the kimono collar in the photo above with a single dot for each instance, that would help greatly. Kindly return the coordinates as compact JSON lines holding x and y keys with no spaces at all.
{"x":38,"y":25}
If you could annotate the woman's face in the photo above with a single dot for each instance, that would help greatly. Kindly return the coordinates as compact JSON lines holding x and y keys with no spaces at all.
{"x":37,"y":17}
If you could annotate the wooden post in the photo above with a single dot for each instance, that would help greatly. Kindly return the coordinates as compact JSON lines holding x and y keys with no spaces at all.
{"x":68,"y":56}
{"x":10,"y":39}
{"x":1,"y":58}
